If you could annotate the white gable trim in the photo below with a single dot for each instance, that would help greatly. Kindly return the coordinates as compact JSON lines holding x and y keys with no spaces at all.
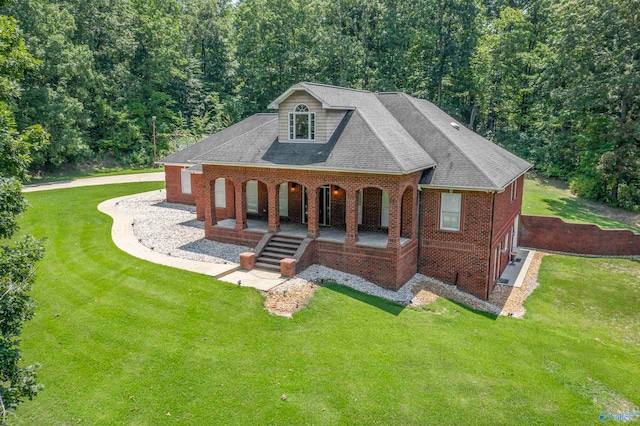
{"x":276,"y":104}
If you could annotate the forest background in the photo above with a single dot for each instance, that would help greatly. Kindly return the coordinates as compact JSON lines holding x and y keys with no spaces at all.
{"x":554,"y":81}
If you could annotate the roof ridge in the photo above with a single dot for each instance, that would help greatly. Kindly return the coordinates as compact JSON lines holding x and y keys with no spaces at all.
{"x":411,"y":100}
{"x":240,"y":135}
{"x":395,"y":159}
{"x":335,"y":87}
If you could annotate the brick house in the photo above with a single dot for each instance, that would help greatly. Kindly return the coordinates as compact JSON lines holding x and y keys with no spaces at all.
{"x":382,"y":185}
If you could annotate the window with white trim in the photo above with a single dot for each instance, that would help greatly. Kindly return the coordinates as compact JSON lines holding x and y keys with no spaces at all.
{"x":302,"y":123}
{"x":514,"y":191}
{"x":284,"y":199}
{"x":450,"y":208}
{"x":185,"y":181}
{"x":252,"y":196}
{"x":221,"y":193}
{"x":384,"y":215}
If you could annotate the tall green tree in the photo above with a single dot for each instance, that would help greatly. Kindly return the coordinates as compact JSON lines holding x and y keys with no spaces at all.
{"x":17,"y":261}
{"x":597,"y":95}
{"x":58,"y":96}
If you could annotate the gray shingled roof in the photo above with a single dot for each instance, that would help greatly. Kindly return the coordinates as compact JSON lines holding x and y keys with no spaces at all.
{"x":465,"y":159}
{"x":384,"y":133}
{"x":187,"y":154}
{"x":406,"y":152}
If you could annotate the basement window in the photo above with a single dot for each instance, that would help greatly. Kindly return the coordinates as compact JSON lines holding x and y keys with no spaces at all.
{"x":302,"y":124}
{"x":450,"y":208}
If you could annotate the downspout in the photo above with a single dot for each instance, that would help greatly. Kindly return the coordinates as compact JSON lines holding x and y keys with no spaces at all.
{"x":419,"y":229}
{"x":493,"y":209}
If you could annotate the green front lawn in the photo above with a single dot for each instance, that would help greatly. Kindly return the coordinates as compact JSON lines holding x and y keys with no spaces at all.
{"x":123,"y":341}
{"x":548,"y":197}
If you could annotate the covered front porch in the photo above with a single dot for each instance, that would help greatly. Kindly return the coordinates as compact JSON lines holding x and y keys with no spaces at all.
{"x":330,"y":234}
{"x":360,"y":223}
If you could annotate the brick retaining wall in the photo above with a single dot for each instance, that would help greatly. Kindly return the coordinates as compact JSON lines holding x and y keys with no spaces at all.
{"x":552,"y":233}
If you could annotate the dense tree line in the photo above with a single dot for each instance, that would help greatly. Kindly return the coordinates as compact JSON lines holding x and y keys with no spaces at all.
{"x":17,"y":257}
{"x":555,"y":81}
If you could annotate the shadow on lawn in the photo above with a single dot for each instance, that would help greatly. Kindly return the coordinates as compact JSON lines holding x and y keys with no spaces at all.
{"x":469,"y":309}
{"x":382,"y":304}
{"x":572,"y":210}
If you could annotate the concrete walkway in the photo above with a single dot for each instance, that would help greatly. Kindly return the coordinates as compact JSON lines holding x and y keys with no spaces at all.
{"x":103,"y":180}
{"x":125,"y":239}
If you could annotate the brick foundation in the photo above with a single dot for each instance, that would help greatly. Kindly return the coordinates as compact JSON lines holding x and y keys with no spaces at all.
{"x":472,"y":258}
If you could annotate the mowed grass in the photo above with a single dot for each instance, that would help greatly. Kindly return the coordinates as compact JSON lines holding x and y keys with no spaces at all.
{"x":549,"y":197}
{"x":123,"y":341}
{"x":90,"y":173}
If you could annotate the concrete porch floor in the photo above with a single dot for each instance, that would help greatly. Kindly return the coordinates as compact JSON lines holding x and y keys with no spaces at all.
{"x":327,"y":233}
{"x":515,"y":272}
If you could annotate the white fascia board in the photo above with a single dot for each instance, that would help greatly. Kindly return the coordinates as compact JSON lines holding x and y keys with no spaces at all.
{"x":276,"y":104}
{"x":459,"y":188}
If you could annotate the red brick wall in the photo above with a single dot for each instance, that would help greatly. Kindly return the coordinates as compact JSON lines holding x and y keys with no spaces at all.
{"x":197,"y":189}
{"x":446,"y":255}
{"x":387,"y":267}
{"x":377,"y":265}
{"x":552,"y":233}
{"x":371,"y":209}
{"x":295,"y":203}
{"x":229,"y":210}
{"x":231,"y":236}
{"x":505,"y":212}
{"x":174,"y":186}
{"x":469,"y":253}
{"x":407,"y":213}
{"x":338,"y":207}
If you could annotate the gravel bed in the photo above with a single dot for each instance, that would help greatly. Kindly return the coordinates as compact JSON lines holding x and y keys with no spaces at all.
{"x":289,"y":297}
{"x":319,"y":274}
{"x":417,"y":291}
{"x":173,"y":229}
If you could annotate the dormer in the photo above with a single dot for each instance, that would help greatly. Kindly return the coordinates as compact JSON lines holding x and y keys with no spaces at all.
{"x":302,"y":124}
{"x":304,"y":117}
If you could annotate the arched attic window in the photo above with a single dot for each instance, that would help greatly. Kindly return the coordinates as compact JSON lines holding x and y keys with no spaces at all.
{"x":302,"y":123}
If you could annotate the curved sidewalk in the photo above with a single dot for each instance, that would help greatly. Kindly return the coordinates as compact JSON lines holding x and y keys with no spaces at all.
{"x":124,"y":238}
{"x":103,"y":180}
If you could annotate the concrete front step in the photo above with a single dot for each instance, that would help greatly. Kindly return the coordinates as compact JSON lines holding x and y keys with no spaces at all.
{"x":278,"y":250}
{"x":270,"y":258}
{"x":268,"y":266}
{"x":283,"y":245}
{"x":270,"y":255}
{"x":286,"y":239}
